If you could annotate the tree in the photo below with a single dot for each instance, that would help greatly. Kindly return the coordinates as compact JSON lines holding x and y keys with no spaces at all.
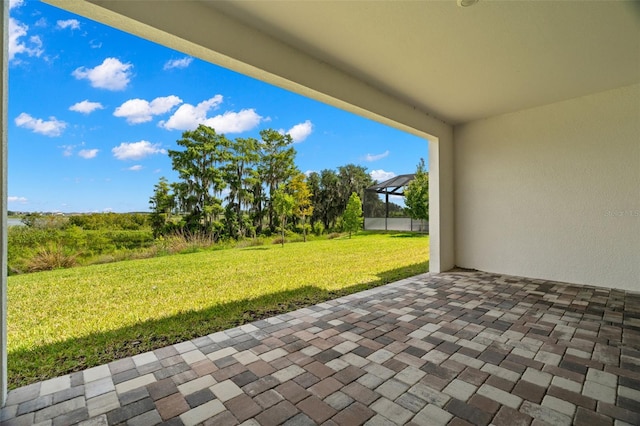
{"x":241,"y":176}
{"x":31,"y":220}
{"x":416,"y":195}
{"x":283,"y":206}
{"x":313,"y":183}
{"x":352,"y":217}
{"x":353,"y":178}
{"x":162,"y":204}
{"x":330,"y":204}
{"x":199,"y":166}
{"x":302,"y":207}
{"x":277,"y":164}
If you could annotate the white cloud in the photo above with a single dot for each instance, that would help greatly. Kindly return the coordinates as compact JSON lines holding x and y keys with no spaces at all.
{"x":67,"y":150}
{"x":88,"y":153}
{"x":301,"y":131}
{"x":135,"y":168}
{"x":94,"y":44}
{"x":73,"y":24}
{"x":85,"y":107}
{"x":376,"y":157}
{"x":178,"y":63}
{"x":17,"y":31}
{"x":50,"y":128}
{"x":15,"y":3}
{"x":136,"y":150}
{"x":111,"y":74}
{"x":42,"y":23}
{"x":188,"y":117}
{"x":13,"y":199}
{"x":308,"y":172}
{"x":381,"y":175}
{"x":234,"y":122}
{"x":140,"y":111}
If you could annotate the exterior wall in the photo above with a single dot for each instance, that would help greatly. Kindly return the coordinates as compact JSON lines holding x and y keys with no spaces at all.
{"x":553,"y":192}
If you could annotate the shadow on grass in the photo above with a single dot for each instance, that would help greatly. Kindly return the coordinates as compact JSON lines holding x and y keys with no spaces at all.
{"x":410,"y":235}
{"x":45,"y":362}
{"x":395,"y":234}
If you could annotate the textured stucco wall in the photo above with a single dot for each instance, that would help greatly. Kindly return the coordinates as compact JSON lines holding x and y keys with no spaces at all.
{"x":553,"y":192}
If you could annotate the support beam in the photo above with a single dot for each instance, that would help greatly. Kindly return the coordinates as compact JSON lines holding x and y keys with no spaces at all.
{"x":4,"y":65}
{"x":441,"y":213}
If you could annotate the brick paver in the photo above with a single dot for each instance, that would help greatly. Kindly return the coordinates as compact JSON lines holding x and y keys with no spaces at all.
{"x":457,"y":348}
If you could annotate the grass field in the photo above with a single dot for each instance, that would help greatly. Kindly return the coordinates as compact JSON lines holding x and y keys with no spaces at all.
{"x":68,"y":320}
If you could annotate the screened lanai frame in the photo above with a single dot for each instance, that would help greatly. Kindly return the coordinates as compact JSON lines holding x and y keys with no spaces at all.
{"x":394,"y":186}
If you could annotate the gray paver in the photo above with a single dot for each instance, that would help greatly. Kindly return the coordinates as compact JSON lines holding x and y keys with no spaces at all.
{"x":460,"y":389}
{"x":99,"y":387}
{"x":429,"y":394}
{"x":103,"y":404}
{"x":599,"y":392}
{"x":202,"y":413}
{"x":506,"y":331}
{"x":500,"y":396}
{"x":432,"y":415}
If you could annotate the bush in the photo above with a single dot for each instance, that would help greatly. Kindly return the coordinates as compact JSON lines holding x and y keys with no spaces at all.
{"x":51,"y":257}
{"x":32,"y":248}
{"x":318,"y":228}
{"x":250,"y":242}
{"x":37,"y":220}
{"x":334,"y":235}
{"x":279,"y":240}
{"x":184,"y":242}
{"x":130,"y":239}
{"x":338,"y":226}
{"x":111,"y":221}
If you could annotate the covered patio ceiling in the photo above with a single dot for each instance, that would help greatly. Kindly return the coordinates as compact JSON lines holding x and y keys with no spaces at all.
{"x":429,"y":58}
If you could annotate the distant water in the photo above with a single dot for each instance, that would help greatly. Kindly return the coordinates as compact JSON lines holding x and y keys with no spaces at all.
{"x":12,"y":221}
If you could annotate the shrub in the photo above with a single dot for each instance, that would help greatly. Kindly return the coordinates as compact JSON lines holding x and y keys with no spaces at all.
{"x":318,"y":228}
{"x":37,"y":220}
{"x":184,"y":242}
{"x":250,"y":242}
{"x":279,"y":240}
{"x":338,"y":226}
{"x":334,"y":235}
{"x":51,"y":257}
{"x":130,"y":239}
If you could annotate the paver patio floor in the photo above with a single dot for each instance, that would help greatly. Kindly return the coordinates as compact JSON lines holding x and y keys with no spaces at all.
{"x":456,"y":348}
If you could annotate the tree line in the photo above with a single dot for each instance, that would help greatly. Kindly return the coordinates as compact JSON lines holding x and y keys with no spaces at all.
{"x":244,"y":187}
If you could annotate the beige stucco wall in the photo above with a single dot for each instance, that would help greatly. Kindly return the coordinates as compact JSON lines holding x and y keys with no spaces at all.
{"x":553,"y":192}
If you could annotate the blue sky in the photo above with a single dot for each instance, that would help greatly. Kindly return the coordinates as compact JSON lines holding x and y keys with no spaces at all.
{"x":93,"y":111}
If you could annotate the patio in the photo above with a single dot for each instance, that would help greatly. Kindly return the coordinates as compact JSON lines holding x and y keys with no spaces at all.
{"x":462,"y":347}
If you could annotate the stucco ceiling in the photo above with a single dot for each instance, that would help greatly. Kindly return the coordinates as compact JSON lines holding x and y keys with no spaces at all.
{"x":455,"y":64}
{"x":462,"y":64}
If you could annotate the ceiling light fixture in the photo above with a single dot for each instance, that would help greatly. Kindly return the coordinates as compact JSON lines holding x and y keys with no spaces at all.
{"x":466,"y":3}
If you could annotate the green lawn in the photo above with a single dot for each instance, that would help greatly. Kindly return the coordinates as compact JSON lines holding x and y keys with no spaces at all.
{"x":68,"y":320}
